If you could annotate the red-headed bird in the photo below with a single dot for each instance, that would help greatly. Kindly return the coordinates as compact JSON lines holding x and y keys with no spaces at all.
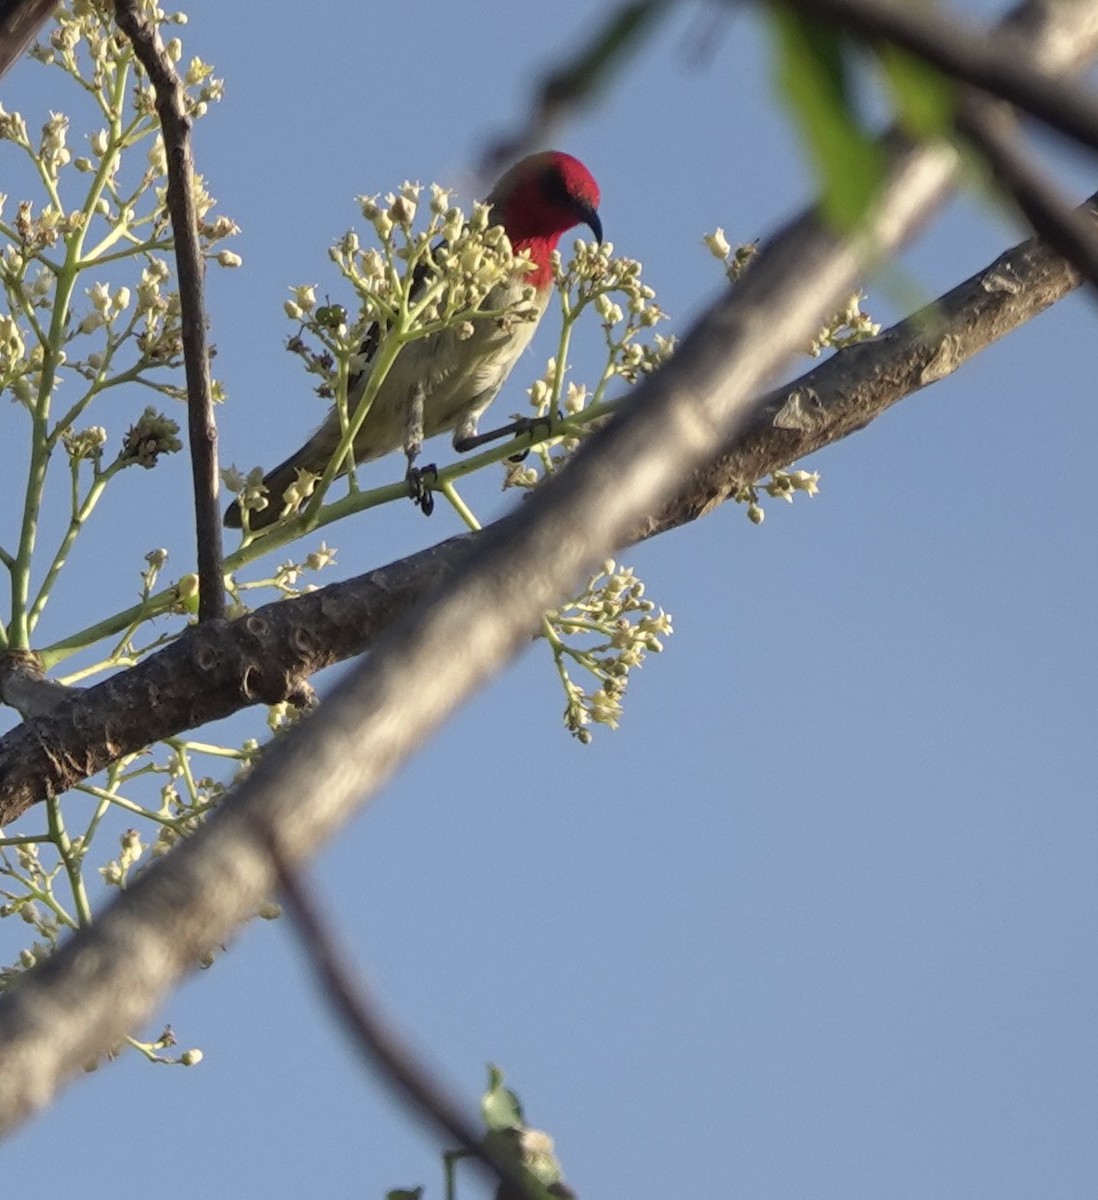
{"x":454,"y":377}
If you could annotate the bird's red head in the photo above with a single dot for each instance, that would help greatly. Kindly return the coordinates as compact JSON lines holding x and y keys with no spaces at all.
{"x":541,"y":197}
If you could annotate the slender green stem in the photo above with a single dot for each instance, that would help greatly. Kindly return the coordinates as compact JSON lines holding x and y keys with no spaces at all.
{"x":121,"y":657}
{"x":112,"y":799}
{"x":98,"y":386}
{"x":101,"y":810}
{"x":20,"y":628}
{"x":450,"y":1159}
{"x":184,"y":759}
{"x":70,"y":858}
{"x":49,"y":182}
{"x":39,"y":459}
{"x":149,"y":1050}
{"x":150,"y":246}
{"x":460,"y":507}
{"x":208,"y":748}
{"x":80,"y":514}
{"x":17,"y":294}
{"x":382,"y":363}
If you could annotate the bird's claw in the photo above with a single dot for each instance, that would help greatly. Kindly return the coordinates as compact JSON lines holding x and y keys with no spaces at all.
{"x":531,"y":426}
{"x":419,"y":487}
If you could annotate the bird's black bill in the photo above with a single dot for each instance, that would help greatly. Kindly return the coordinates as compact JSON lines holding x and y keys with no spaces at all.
{"x":590,"y":218}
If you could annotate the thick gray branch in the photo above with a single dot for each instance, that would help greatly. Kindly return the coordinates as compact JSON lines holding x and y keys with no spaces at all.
{"x":107,"y":979}
{"x":221,"y":667}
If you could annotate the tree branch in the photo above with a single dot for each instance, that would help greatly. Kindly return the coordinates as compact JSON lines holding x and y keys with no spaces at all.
{"x":1003,"y":64}
{"x":175,"y":126}
{"x":104,"y":981}
{"x":384,"y":1049}
{"x":576,"y":80}
{"x":993,"y":133}
{"x":219,"y":668}
{"x":107,"y":978}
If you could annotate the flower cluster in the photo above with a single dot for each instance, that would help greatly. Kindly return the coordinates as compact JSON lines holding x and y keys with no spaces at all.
{"x":782,"y":485}
{"x":735,"y":258}
{"x":286,"y":578}
{"x":607,"y":631}
{"x":150,"y":436}
{"x":27,"y":892}
{"x":612,"y":286}
{"x":846,"y":328}
{"x":117,"y":871}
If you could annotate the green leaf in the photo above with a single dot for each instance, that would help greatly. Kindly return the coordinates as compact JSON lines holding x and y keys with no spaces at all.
{"x":404,"y":1194}
{"x":813,"y":73}
{"x":499,"y":1106}
{"x":925,"y":99}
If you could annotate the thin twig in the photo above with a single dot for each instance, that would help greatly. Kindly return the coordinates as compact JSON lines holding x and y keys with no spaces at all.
{"x":575,"y":81}
{"x":175,"y":125}
{"x":999,"y":64}
{"x":1068,"y":230}
{"x":380,"y":1045}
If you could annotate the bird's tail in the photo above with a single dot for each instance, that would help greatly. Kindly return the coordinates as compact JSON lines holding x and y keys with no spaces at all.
{"x":313,"y":456}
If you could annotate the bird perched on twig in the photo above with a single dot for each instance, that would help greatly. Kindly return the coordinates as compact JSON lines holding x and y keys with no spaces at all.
{"x":446,"y":379}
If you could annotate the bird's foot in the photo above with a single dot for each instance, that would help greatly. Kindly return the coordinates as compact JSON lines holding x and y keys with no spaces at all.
{"x":538,"y":428}
{"x":419,"y":481}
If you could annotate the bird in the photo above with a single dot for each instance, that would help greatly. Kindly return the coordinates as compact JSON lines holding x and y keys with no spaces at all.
{"x":452,"y":374}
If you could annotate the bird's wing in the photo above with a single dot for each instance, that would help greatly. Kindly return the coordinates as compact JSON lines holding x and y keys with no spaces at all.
{"x":377,"y":330}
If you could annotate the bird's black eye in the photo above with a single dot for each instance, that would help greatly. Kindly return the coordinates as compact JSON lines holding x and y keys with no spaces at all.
{"x":554,"y":189}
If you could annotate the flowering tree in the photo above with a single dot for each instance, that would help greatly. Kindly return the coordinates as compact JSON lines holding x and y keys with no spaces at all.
{"x":95,"y":299}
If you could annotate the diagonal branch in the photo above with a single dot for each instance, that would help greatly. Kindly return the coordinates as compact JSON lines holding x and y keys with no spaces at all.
{"x":109,"y":976}
{"x":175,"y":125}
{"x":992,"y":131}
{"x":220,"y":667}
{"x":1003,"y":65}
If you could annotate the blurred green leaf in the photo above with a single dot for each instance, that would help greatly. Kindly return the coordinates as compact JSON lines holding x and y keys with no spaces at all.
{"x":499,"y":1106}
{"x":926,"y":101}
{"x":813,"y":73}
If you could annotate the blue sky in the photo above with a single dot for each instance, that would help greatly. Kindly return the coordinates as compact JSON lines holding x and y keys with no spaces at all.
{"x":818,"y":920}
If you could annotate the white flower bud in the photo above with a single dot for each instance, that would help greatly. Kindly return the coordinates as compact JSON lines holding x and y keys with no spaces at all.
{"x":718,"y":244}
{"x":402,"y":211}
